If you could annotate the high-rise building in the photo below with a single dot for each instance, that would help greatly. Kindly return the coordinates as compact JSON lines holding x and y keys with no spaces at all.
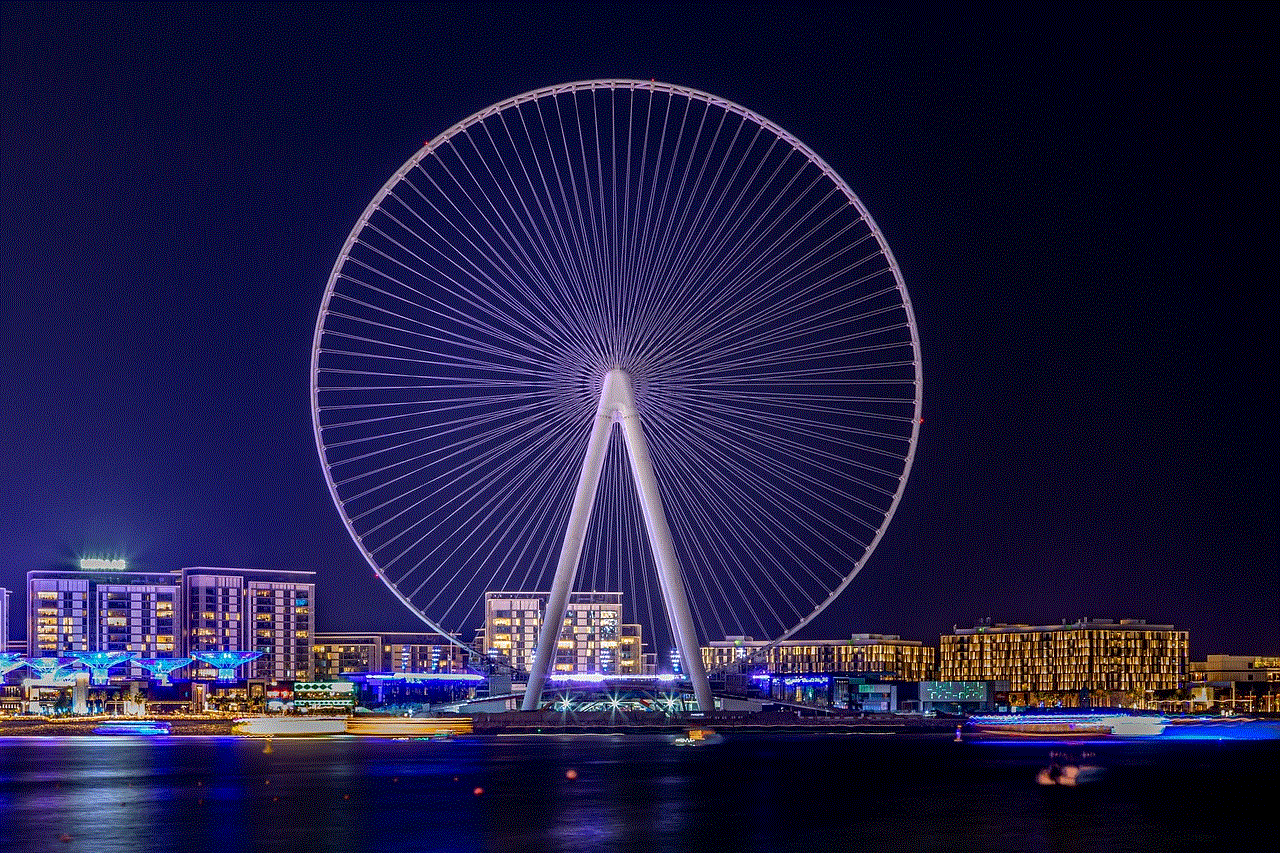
{"x":905,"y":660}
{"x":593,"y":639}
{"x":253,"y":610}
{"x":1124,"y":659}
{"x":104,"y":607}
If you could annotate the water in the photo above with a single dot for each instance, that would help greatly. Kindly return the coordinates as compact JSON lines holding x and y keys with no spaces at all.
{"x":553,"y":793}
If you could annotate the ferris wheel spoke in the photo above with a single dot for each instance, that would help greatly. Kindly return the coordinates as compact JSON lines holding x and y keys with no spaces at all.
{"x":431,"y":333}
{"x":553,"y":253}
{"x":694,"y":518}
{"x":551,"y":282}
{"x":811,"y":456}
{"x":675,"y":220}
{"x":686,"y":252}
{"x":783,"y":498}
{"x":438,"y":328}
{"x":465,"y":425}
{"x":691,"y":266}
{"x":489,"y":288}
{"x":417,"y":413}
{"x":798,"y":481}
{"x":436,"y":455}
{"x":583,"y":220}
{"x":678,"y":244}
{"x":705,"y":501}
{"x":645,"y":274}
{"x":508,"y":279}
{"x":563,"y":241}
{"x":731,"y":340}
{"x":781,"y":280}
{"x":465,"y":501}
{"x":552,"y":294}
{"x":493,"y":518}
{"x":762,"y":288}
{"x":546,"y":475}
{"x":473,"y":525}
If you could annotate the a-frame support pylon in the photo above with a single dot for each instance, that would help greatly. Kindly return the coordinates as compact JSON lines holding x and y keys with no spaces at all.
{"x":618,"y":406}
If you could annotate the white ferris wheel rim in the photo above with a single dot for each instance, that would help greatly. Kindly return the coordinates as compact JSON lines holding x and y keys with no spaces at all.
{"x":692,"y":94}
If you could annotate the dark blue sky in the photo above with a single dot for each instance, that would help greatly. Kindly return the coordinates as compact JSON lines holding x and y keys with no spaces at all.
{"x":1082,"y":206}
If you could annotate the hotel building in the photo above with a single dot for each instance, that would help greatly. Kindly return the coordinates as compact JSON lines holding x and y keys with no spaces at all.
{"x":902,"y":660}
{"x":252,"y":610}
{"x":106,"y":609}
{"x":1123,"y":660}
{"x":594,"y":637}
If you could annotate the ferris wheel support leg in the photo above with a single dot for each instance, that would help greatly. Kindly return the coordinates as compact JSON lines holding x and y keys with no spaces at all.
{"x":664,"y":552}
{"x":544,"y":655}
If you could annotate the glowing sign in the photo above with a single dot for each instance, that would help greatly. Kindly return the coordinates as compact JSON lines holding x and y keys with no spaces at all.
{"x":110,"y":565}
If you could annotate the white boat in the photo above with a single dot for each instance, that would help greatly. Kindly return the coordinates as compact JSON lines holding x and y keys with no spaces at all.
{"x":289,"y":726}
{"x":1072,"y":725}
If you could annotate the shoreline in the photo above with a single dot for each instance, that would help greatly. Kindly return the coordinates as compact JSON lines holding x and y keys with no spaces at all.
{"x":518,"y":723}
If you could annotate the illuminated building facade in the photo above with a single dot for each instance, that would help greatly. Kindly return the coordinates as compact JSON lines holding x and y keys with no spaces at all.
{"x":335,"y":654}
{"x":903,"y":660}
{"x":104,"y":610}
{"x":1244,"y":683}
{"x":252,"y":610}
{"x":4,"y":620}
{"x":594,"y":638}
{"x":1124,"y":660}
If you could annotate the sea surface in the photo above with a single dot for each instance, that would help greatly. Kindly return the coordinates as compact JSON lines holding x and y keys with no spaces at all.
{"x":629,"y":793}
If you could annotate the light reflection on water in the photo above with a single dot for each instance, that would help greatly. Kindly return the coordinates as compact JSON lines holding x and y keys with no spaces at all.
{"x":748,"y":794}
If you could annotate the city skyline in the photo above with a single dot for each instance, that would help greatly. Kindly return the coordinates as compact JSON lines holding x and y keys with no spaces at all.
{"x":1089,"y":447}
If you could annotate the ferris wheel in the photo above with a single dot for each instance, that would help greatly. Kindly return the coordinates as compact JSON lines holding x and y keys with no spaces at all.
{"x":629,"y":253}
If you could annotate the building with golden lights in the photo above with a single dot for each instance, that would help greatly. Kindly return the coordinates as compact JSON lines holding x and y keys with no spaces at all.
{"x":261,"y":610}
{"x":385,"y":652}
{"x":903,"y":660}
{"x":1096,"y":660}
{"x":594,"y":638}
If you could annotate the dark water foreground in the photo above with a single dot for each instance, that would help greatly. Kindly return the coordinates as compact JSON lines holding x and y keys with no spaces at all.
{"x":554,"y":793}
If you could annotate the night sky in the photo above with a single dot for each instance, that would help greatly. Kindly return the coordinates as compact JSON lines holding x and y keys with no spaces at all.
{"x":1082,"y":207}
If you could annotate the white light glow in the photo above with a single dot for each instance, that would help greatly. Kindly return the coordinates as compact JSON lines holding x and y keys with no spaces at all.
{"x":96,"y":563}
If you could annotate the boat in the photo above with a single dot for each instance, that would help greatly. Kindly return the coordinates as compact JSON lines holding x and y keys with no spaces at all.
{"x":698,"y":737}
{"x":384,"y":725}
{"x":143,"y":728}
{"x":289,"y":726}
{"x":1066,"y":725}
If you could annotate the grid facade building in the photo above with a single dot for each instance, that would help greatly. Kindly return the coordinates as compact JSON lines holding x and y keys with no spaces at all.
{"x":116,"y":611}
{"x":252,"y":610}
{"x":594,"y":638}
{"x":1088,"y":656}
{"x":904,"y":660}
